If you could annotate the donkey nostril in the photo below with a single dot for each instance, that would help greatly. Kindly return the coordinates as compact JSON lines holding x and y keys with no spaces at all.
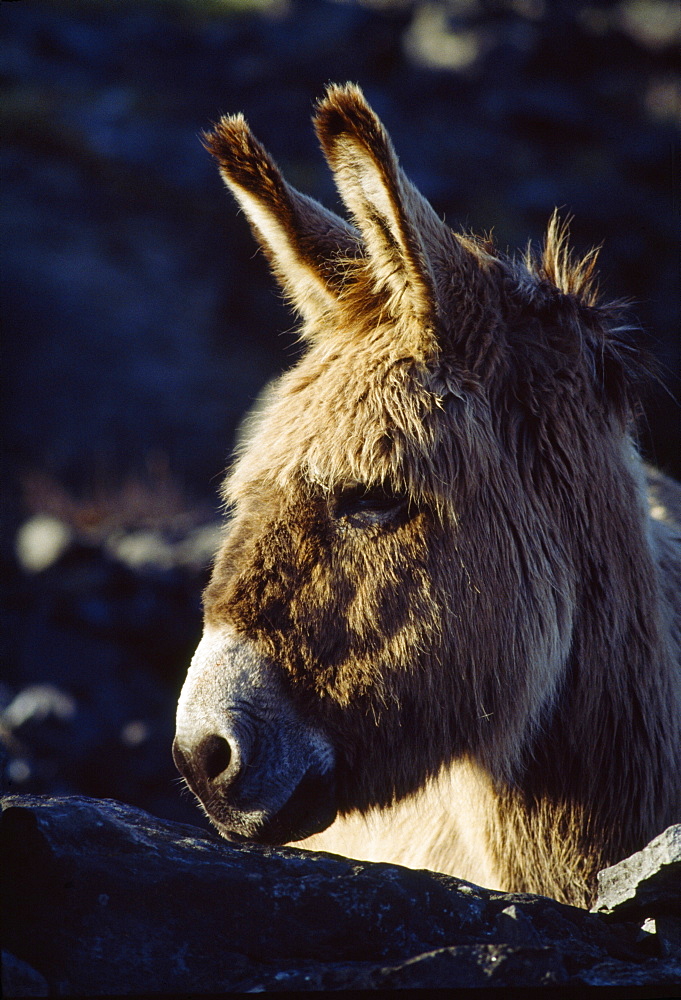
{"x":215,"y":755}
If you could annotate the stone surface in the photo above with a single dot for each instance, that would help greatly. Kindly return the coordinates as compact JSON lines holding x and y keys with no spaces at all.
{"x":100,"y":897}
{"x":139,"y":322}
{"x":646,"y":884}
{"x":129,"y":602}
{"x":19,"y":979}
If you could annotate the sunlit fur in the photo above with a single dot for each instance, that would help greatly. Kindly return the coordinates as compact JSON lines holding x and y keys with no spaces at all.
{"x":521,"y":624}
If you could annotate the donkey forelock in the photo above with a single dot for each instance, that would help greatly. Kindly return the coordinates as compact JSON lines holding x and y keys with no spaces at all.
{"x":422,"y":505}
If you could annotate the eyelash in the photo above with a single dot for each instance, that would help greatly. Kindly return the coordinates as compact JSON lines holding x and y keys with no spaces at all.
{"x":366,"y":506}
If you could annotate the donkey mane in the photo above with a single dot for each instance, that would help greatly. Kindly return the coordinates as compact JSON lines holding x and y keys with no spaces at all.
{"x":441,"y":592}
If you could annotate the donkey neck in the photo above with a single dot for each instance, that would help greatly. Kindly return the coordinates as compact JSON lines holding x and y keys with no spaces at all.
{"x":598,"y":782}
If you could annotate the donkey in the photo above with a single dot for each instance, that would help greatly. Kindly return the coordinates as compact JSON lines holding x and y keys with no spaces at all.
{"x":443,"y":628}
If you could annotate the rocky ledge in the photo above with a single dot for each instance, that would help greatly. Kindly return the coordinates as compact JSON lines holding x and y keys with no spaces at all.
{"x":102,"y":898}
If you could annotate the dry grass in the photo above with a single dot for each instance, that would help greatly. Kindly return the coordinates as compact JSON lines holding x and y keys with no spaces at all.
{"x":154,"y":500}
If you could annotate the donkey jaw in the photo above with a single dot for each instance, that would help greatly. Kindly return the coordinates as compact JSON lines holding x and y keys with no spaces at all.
{"x":310,"y":809}
{"x":260,"y":772}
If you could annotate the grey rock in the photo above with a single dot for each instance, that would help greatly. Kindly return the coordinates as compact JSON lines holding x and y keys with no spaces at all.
{"x":515,"y":927}
{"x":646,"y":884}
{"x":19,"y":979}
{"x":100,"y":897}
{"x":41,"y":541}
{"x":656,"y":973}
{"x":668,"y":930}
{"x":148,"y":548}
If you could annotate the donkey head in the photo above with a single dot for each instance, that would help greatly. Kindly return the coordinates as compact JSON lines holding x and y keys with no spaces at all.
{"x":399,"y":581}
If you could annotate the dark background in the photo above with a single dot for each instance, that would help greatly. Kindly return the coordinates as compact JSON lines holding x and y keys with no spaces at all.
{"x":140,"y":322}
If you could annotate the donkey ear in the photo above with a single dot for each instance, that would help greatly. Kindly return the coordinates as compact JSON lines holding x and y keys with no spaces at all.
{"x":392,"y":216}
{"x":300,"y":238}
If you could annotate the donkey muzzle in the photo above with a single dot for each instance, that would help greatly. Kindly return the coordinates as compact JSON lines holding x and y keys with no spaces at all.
{"x":259,"y":770}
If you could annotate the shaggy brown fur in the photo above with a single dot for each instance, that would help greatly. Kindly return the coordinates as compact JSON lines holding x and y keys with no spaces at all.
{"x":439,"y":537}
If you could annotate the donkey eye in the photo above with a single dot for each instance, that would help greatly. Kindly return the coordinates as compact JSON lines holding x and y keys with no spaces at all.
{"x":363,"y":506}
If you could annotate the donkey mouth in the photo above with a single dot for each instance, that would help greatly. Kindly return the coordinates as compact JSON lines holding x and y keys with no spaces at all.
{"x":310,"y":809}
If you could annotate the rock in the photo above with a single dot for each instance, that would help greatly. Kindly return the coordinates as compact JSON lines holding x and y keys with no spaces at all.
{"x":646,"y":884}
{"x":94,"y":651}
{"x":139,"y":323}
{"x":668,"y":930}
{"x":149,"y":549}
{"x":41,"y":541}
{"x":19,"y":979}
{"x":100,"y":897}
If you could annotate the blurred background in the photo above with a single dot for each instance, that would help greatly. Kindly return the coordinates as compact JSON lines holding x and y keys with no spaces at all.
{"x":140,"y":322}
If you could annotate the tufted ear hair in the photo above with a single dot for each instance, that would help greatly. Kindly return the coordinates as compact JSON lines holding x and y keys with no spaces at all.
{"x":301,"y":239}
{"x":402,"y":233}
